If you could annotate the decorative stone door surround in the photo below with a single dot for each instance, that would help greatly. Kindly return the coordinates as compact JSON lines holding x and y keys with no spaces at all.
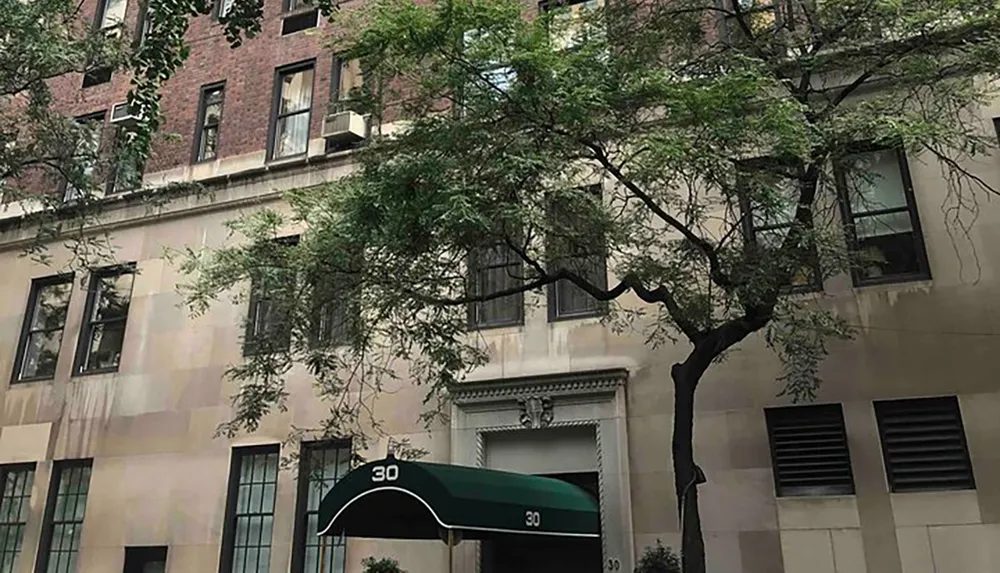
{"x":593,"y":398}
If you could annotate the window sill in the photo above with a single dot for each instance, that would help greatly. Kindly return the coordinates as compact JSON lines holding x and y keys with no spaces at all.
{"x":494,"y":327}
{"x":893,"y":280}
{"x":582,"y":316}
{"x":95,"y":372}
{"x":26,"y":381}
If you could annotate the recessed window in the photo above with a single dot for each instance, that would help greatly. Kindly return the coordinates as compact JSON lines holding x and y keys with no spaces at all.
{"x":103,"y":334}
{"x":15,"y":505}
{"x":246,"y":535}
{"x":574,"y":21}
{"x":299,"y":21}
{"x":347,"y":77}
{"x":321,"y":466}
{"x":881,"y":215}
{"x":809,"y":450}
{"x":292,"y":111}
{"x":223,"y":7}
{"x":126,"y":171}
{"x":335,"y":309}
{"x":491,"y":271}
{"x":112,"y":13}
{"x":574,"y":245}
{"x":267,"y":327}
{"x":769,"y":202}
{"x":97,"y":77}
{"x":150,"y":559}
{"x":923,"y":444}
{"x":59,"y":546}
{"x":42,"y":333}
{"x":209,"y":120}
{"x":85,"y":156}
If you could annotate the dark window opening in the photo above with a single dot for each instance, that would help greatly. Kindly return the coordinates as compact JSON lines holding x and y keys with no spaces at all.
{"x":491,"y":271}
{"x":267,"y":327}
{"x":59,"y":545}
{"x":881,"y":215}
{"x":335,"y":310}
{"x":923,"y":444}
{"x":86,"y":155}
{"x":15,"y":505}
{"x":42,"y":332}
{"x":209,"y":121}
{"x":152,"y":559}
{"x":96,"y":77}
{"x":292,"y":111}
{"x":576,"y":246}
{"x":321,"y":466}
{"x":127,"y":169}
{"x":299,"y":21}
{"x":246,"y":536}
{"x":103,"y":334}
{"x":809,"y":450}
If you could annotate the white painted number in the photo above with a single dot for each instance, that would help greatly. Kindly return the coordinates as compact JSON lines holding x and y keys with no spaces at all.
{"x":385,"y":473}
{"x":532,"y":518}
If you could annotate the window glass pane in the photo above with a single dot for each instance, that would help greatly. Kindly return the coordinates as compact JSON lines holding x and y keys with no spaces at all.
{"x":350,"y":78}
{"x":51,"y":303}
{"x":296,"y":92}
{"x":41,"y":354}
{"x":887,"y":245}
{"x":13,"y":513}
{"x":114,"y":12}
{"x":292,"y":135}
{"x":209,"y":142}
{"x":114,"y":294}
{"x":66,"y":524}
{"x":105,"y":345}
{"x":225,"y":7}
{"x":874,"y":181}
{"x":253,"y":518}
{"x":213,"y":112}
{"x":322,"y":466}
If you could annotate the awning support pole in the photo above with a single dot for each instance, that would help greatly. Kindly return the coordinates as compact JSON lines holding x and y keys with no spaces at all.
{"x":322,"y":554}
{"x":451,"y":550}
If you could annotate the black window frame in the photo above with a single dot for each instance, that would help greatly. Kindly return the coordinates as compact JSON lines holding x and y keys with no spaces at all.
{"x":14,"y":520}
{"x":115,"y":185}
{"x":303,"y":481}
{"x":96,"y":77}
{"x":771,"y":420}
{"x":333,"y":322}
{"x":86,"y":326}
{"x":26,"y":331}
{"x":59,"y":469}
{"x":279,"y":75}
{"x":99,"y":118}
{"x":138,"y":556}
{"x":952,"y":403}
{"x":848,"y":216}
{"x":228,"y":547}
{"x":198,"y":148}
{"x":516,"y":300}
{"x":251,"y":345}
{"x":600,"y":307}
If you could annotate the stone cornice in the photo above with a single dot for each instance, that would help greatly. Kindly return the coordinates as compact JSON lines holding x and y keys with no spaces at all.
{"x":586,"y":383}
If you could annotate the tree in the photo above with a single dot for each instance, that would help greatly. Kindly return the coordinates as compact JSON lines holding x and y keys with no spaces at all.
{"x":719,"y":135}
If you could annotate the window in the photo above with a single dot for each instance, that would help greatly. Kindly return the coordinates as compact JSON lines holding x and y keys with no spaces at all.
{"x":299,"y":21}
{"x":103,"y":332}
{"x":222,"y":8}
{"x":246,"y":536}
{"x":126,"y":172}
{"x":266,"y":331}
{"x":144,"y":26}
{"x":572,"y":246}
{"x":809,"y":450}
{"x":15,"y":503}
{"x":112,"y":13}
{"x":881,"y":215}
{"x":996,"y":127}
{"x":761,"y":17}
{"x":292,"y":111}
{"x":209,"y":119}
{"x":321,"y":465}
{"x":152,"y":559}
{"x":347,"y":77}
{"x":336,"y":310}
{"x":923,"y":444}
{"x":291,"y":5}
{"x":769,"y":203}
{"x":59,"y":545}
{"x":574,"y":21}
{"x":96,"y":77}
{"x":493,"y":270}
{"x":87,"y":152}
{"x":41,"y":335}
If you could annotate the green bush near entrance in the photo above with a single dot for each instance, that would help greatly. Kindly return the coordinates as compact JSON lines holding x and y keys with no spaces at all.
{"x":383,"y":565}
{"x":659,"y":559}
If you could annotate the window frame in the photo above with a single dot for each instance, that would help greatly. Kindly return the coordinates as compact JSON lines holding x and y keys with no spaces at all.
{"x":102,"y":10}
{"x":300,"y":528}
{"x":197,"y":149}
{"x":217,"y":12}
{"x":272,"y":132}
{"x":228,"y":545}
{"x":99,"y":118}
{"x":59,"y":467}
{"x":249,"y":334}
{"x":517,"y":299}
{"x":26,"y":331}
{"x":552,"y":291}
{"x":5,"y":470}
{"x":113,"y":185}
{"x":86,"y":325}
{"x":849,"y":217}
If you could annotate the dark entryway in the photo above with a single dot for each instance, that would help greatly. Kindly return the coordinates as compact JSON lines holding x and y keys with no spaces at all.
{"x":530,"y":554}
{"x":145,"y":559}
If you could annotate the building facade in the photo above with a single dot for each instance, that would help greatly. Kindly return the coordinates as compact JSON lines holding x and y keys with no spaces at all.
{"x":109,"y":462}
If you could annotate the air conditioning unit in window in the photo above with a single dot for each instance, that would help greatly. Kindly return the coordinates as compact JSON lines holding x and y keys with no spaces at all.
{"x":121,"y":113}
{"x":345,"y":127}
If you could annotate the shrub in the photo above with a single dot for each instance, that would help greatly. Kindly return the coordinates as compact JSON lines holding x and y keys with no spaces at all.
{"x":383,"y":565}
{"x":659,"y":559}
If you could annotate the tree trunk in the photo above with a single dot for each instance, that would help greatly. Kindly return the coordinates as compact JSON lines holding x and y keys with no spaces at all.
{"x":686,"y":473}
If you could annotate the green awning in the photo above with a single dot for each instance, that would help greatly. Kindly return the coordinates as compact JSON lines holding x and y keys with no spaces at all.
{"x":395,"y":499}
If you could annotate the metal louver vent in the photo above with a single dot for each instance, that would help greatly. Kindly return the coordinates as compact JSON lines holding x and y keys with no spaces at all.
{"x":809,"y":450}
{"x":923,"y":444}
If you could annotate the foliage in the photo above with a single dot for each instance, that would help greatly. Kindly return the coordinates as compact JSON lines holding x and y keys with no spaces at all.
{"x":689,"y":127}
{"x":658,"y":559}
{"x":383,"y":565}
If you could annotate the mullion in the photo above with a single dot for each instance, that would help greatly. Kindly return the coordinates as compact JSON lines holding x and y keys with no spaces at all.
{"x":879,"y":212}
